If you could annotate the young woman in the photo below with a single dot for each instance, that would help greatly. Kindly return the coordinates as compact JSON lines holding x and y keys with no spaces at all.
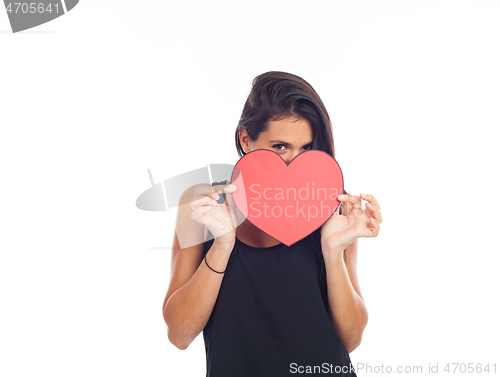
{"x":267,"y":309}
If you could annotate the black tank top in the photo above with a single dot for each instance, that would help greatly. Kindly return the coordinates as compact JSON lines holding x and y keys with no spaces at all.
{"x":270,"y":317}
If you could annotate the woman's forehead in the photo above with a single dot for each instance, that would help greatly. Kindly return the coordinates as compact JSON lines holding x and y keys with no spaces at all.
{"x":292,"y":129}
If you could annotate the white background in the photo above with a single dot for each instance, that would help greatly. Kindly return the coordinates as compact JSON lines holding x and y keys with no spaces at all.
{"x":90,"y":101}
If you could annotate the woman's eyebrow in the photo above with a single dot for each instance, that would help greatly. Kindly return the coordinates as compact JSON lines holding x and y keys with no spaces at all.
{"x":285,"y":143}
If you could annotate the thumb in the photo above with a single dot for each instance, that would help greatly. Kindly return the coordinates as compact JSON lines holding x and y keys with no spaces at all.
{"x":228,"y":190}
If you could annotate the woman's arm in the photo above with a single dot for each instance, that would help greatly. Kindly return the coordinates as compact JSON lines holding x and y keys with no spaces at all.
{"x":339,"y":236}
{"x":189,"y":303}
{"x":193,"y":287}
{"x":347,"y":309}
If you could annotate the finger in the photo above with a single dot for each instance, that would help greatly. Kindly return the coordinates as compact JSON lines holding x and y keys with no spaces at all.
{"x":218,"y":190}
{"x":376,"y":211}
{"x":206,"y":190}
{"x":230,"y":214}
{"x":228,"y":190}
{"x":376,"y":227}
{"x":353,"y":199}
{"x":371,"y":199}
{"x":204,"y":201}
{"x":373,"y":228}
{"x":224,"y":189}
{"x":220,"y":195}
{"x":199,"y":212}
{"x":237,"y":216}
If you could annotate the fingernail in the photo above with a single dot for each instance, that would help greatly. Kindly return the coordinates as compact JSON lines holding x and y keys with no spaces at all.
{"x":341,"y":196}
{"x":232,"y":187}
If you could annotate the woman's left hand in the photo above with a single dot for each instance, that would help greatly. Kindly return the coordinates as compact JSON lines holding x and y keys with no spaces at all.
{"x":340,"y":231}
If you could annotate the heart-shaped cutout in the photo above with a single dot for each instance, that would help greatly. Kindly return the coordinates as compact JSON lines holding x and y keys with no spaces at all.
{"x":288,"y":202}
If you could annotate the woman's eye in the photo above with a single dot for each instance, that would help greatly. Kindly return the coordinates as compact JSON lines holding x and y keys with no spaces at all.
{"x":282,"y":147}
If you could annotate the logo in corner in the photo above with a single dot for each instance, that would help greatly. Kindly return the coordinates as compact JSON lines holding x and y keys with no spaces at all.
{"x":26,"y":15}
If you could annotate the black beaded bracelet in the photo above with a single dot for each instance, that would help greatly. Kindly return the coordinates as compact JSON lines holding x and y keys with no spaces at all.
{"x":211,"y":267}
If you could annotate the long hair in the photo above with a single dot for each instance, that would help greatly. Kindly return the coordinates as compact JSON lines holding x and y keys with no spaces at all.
{"x":277,"y":95}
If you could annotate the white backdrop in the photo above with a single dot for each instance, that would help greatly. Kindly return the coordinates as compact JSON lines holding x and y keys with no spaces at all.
{"x":92,"y":100}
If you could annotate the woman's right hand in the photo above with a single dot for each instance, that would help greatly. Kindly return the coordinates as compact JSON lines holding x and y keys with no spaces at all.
{"x":220,"y":219}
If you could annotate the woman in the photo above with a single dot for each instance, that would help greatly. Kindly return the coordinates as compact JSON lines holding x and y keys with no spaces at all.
{"x":267,"y":309}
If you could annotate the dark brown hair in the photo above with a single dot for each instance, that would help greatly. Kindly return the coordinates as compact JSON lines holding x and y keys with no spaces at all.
{"x":277,"y":95}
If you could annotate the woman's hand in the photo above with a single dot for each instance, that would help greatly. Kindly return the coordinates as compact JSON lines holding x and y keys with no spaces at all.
{"x":340,"y":231}
{"x":220,"y":219}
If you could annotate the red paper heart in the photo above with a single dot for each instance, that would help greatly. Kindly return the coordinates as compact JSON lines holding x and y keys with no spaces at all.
{"x":288,"y":202}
